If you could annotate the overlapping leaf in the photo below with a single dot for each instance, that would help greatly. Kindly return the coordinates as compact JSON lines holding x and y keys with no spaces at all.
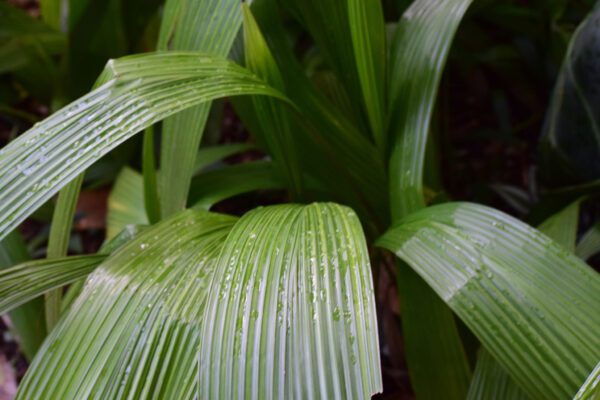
{"x":291,"y":312}
{"x":533,"y":305}
{"x":136,"y":92}
{"x":299,"y":321}
{"x":209,"y":26}
{"x":417,"y":56}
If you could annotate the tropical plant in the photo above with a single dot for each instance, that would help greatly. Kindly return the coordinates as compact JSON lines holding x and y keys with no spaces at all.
{"x":182,"y":302}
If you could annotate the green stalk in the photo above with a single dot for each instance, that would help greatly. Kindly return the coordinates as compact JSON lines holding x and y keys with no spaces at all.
{"x":58,"y":242}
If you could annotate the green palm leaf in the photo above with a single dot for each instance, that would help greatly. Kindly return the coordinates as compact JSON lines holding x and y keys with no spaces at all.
{"x":199,"y":283}
{"x":533,"y":304}
{"x":209,"y":26}
{"x":135,"y":92}
{"x":291,"y":312}
{"x":26,"y":281}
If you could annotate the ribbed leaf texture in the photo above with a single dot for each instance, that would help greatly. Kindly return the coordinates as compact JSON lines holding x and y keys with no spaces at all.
{"x":533,"y":304}
{"x":276,"y":305}
{"x":136,"y":91}
{"x":133,"y":331}
{"x":417,"y":57}
{"x":291,"y":313}
{"x":27,"y":281}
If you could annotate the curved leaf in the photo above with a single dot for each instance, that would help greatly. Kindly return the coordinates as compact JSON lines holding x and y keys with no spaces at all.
{"x":144,"y":314}
{"x":291,"y":312}
{"x":134,"y":330}
{"x":209,"y":26}
{"x":126,"y":203}
{"x":213,"y":186}
{"x":417,"y":58}
{"x":26,"y":281}
{"x":533,"y":305}
{"x":491,"y":381}
{"x":367,"y":28}
{"x":570,"y":144}
{"x":589,"y":244}
{"x":136,"y":91}
{"x":590,"y":390}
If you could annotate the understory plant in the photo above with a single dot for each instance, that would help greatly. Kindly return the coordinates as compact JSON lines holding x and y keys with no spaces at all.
{"x":183,"y":303}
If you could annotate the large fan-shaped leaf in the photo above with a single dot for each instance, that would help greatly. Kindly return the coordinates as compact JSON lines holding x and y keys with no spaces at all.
{"x":133,"y":331}
{"x":533,"y":305}
{"x":136,"y":92}
{"x":291,"y":312}
{"x":299,"y":320}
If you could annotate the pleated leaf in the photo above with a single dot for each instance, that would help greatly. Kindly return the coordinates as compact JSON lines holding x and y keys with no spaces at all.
{"x":292,"y":313}
{"x":490,"y":381}
{"x":26,"y":281}
{"x":136,"y":92}
{"x":367,"y":28}
{"x":532,"y":304}
{"x":590,"y":390}
{"x":126,"y":203}
{"x":209,"y":26}
{"x":133,"y":332}
{"x":417,"y":57}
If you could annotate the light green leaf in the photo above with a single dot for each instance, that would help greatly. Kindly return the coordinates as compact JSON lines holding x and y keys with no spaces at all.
{"x":532,"y":304}
{"x":126,"y":203}
{"x":58,"y":242}
{"x":149,"y":310}
{"x":209,"y":26}
{"x":291,"y":312}
{"x":589,"y":244}
{"x":417,"y":58}
{"x":133,"y":332}
{"x":590,"y":390}
{"x":24,"y":282}
{"x":211,"y":187}
{"x":136,"y":91}
{"x":491,"y":381}
{"x":562,"y":226}
{"x":367,"y":28}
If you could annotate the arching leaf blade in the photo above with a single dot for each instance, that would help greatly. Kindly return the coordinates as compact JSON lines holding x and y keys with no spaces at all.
{"x":532,"y":304}
{"x":135,"y":92}
{"x":291,"y":312}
